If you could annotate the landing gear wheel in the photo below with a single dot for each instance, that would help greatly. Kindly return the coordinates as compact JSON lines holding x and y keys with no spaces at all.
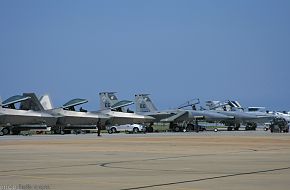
{"x":251,"y":127}
{"x":237,"y":127}
{"x":276,"y":129}
{"x":113,"y":130}
{"x":135,"y":130}
{"x":5,"y":131}
{"x":149,"y":129}
{"x":254,"y":127}
{"x":56,"y":130}
{"x":15,"y":131}
{"x":1,"y":133}
{"x":189,"y":127}
{"x":176,"y":129}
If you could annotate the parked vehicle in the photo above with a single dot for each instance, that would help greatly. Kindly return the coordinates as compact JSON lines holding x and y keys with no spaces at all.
{"x":131,"y":128}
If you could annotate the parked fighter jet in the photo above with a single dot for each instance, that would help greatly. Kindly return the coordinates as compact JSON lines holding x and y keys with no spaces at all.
{"x":262,"y":110}
{"x":110,"y":105}
{"x":145,"y":106}
{"x":14,"y":119}
{"x":283,"y":114}
{"x":234,"y":109}
{"x":280,"y":123}
{"x":68,"y":118}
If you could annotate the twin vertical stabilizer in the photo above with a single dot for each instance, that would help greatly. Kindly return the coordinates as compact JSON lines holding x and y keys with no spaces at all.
{"x":144,"y":103}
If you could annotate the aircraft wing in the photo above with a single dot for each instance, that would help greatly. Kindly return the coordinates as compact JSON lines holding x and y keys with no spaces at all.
{"x":74,"y":102}
{"x":179,"y":116}
{"x":121,"y":104}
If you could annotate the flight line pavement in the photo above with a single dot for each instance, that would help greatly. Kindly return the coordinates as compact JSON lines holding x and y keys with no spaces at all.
{"x":206,"y":160}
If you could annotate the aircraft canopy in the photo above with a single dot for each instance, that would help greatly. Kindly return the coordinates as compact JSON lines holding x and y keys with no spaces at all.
{"x":74,"y":102}
{"x":15,"y":99}
{"x":121,"y":104}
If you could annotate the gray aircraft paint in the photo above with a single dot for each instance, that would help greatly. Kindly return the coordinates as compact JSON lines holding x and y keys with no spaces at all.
{"x":25,"y":118}
{"x":109,"y":99}
{"x":240,"y":117}
{"x":144,"y":105}
{"x":67,"y":118}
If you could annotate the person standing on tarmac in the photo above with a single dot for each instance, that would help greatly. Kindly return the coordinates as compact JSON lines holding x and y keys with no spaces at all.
{"x":99,"y":127}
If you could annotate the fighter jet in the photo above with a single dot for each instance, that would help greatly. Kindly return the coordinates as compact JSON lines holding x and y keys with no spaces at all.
{"x":68,"y":118}
{"x":14,"y":118}
{"x":110,"y":105}
{"x":234,"y":109}
{"x":283,"y":114}
{"x":145,"y":106}
{"x":262,"y":110}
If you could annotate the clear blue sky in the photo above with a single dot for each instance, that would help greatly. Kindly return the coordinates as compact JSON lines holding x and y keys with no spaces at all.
{"x":174,"y":50}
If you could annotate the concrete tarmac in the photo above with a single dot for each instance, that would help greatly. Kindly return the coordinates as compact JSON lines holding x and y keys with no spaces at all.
{"x":224,"y":160}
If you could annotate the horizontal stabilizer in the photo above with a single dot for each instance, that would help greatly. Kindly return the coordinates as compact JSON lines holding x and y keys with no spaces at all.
{"x":234,"y":104}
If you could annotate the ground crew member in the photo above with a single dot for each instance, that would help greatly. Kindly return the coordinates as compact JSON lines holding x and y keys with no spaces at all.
{"x":99,"y":127}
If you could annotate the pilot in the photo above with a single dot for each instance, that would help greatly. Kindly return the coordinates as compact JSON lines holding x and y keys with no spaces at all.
{"x":224,"y":108}
{"x":129,"y":111}
{"x":193,"y":107}
{"x":82,"y":110}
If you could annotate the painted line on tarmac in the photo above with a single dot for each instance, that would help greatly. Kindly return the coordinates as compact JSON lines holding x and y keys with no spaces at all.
{"x":205,"y":179}
{"x":110,"y":164}
{"x":107,"y":164}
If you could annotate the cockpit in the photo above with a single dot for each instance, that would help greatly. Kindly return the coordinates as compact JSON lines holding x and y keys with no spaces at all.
{"x":70,"y":105}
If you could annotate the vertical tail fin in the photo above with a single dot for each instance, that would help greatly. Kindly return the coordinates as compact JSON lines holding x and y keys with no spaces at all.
{"x":46,"y":102}
{"x":234,"y":104}
{"x":32,"y":103}
{"x":107,"y":99}
{"x":144,"y":104}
